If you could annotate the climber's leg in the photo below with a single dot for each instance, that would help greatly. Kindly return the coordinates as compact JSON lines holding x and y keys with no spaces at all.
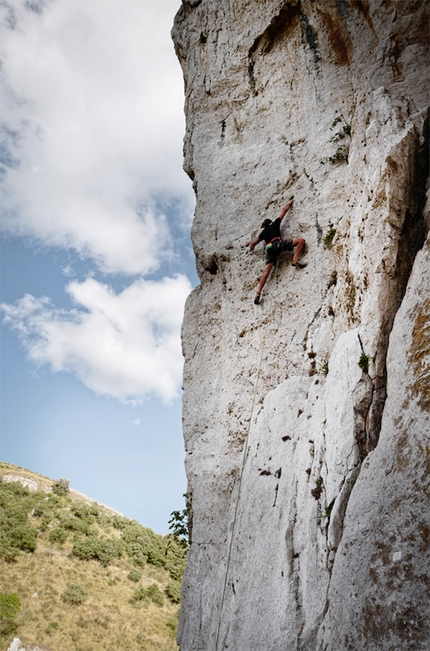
{"x":264,"y":277}
{"x":299,"y":246}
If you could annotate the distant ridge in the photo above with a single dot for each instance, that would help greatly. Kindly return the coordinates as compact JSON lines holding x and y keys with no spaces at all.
{"x":10,"y":472}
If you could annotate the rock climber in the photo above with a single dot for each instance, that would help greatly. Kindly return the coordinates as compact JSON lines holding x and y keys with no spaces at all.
{"x":271,"y":235}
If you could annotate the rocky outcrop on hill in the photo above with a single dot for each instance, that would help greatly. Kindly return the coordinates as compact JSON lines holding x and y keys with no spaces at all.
{"x":306,"y":418}
{"x":31,"y":484}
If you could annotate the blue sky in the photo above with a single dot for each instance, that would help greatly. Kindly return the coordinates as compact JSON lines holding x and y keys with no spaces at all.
{"x":96,"y":259}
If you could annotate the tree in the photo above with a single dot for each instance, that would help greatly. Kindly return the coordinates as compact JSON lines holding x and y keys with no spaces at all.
{"x":180,"y":522}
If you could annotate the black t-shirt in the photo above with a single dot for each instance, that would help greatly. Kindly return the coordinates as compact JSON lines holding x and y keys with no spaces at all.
{"x":271,"y":231}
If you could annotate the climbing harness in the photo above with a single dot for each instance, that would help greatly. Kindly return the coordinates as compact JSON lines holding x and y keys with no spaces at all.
{"x":246,"y":449}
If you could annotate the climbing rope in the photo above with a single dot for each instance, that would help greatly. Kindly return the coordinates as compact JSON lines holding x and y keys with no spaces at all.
{"x":245,"y":456}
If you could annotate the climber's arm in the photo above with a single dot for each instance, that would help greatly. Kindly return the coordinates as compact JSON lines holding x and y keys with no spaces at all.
{"x":286,"y":209}
{"x":254,"y":243}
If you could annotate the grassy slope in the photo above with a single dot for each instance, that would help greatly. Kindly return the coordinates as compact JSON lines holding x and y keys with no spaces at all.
{"x":106,"y":619}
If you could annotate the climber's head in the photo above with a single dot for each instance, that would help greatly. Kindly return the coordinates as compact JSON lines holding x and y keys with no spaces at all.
{"x":266,"y":222}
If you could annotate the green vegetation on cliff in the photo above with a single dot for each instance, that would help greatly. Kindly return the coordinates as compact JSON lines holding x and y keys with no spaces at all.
{"x":77,"y":576}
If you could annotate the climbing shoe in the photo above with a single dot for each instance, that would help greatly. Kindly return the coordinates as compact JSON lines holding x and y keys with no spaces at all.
{"x":299,"y":265}
{"x":257,"y":298}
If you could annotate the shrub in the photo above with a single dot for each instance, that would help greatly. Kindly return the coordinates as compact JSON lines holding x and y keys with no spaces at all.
{"x":135,"y":532}
{"x":9,"y":608}
{"x":94,"y":509}
{"x":53,"y":500}
{"x":328,"y":237}
{"x":61,"y":487}
{"x":44,"y":524}
{"x":13,"y":516}
{"x":172,"y":627}
{"x":74,"y":594}
{"x":84,"y":512}
{"x":135,"y":575}
{"x":108,"y":550}
{"x":69,"y":522}
{"x":176,"y":558}
{"x":8,"y":627}
{"x":153,"y":593}
{"x":9,"y":489}
{"x":103,"y":551}
{"x":103,"y":520}
{"x":8,"y":552}
{"x":142,"y":542}
{"x":86,"y":549}
{"x":16,"y":533}
{"x":58,"y":535}
{"x":156,"y":554}
{"x":24,"y":536}
{"x":9,"y":604}
{"x":363,"y":363}
{"x":136,"y":554}
{"x":72,"y":523}
{"x":138,"y":595}
{"x":41,"y":509}
{"x":173,"y":591}
{"x":119,"y":522}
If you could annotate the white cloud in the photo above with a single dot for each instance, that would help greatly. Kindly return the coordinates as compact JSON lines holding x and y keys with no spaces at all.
{"x":92,"y":99}
{"x":124,"y":345}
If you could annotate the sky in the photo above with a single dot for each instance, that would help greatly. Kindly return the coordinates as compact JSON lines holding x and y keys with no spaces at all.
{"x":96,"y":257}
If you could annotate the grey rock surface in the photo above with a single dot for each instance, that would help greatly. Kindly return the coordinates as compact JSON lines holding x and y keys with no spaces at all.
{"x":31,"y":484}
{"x":15,"y":644}
{"x":307,"y":472}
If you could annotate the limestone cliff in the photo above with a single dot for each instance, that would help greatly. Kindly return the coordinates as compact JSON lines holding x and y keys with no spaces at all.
{"x":307,"y":471}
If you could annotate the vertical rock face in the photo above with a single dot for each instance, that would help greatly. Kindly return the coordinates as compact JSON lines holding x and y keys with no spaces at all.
{"x":307,"y":471}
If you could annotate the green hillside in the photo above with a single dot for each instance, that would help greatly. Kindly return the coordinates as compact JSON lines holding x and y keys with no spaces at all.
{"x":76,"y":576}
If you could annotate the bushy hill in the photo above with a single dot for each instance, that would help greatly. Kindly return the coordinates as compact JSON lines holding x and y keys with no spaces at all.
{"x":76,"y":576}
